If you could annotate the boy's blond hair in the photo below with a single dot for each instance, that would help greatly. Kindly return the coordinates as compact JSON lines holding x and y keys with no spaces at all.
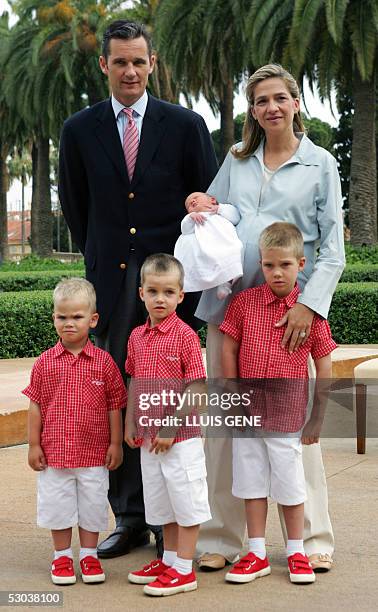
{"x":161,"y":263}
{"x":70,"y":288}
{"x":282,"y":235}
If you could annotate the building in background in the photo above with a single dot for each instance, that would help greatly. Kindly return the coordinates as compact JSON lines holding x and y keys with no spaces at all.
{"x":19,"y":234}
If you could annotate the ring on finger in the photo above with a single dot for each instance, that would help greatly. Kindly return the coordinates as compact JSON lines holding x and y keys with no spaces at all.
{"x":302,"y":334}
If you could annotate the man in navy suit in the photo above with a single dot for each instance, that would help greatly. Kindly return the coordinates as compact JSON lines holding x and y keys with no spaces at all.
{"x":117,"y":219}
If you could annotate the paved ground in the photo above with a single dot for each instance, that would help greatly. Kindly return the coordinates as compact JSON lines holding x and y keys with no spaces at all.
{"x":25,"y":550}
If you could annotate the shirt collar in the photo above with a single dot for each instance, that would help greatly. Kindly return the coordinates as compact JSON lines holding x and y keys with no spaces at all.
{"x":269,"y":297}
{"x":88,"y":350}
{"x":306,"y":154}
{"x":139,"y":106}
{"x":164,"y":326}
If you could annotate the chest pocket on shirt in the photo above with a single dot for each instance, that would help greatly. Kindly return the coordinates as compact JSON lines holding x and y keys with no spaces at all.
{"x":94,"y":395}
{"x":299,"y":358}
{"x":169,"y":366}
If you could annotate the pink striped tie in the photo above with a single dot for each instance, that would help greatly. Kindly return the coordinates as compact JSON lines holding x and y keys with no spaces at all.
{"x":130,"y":142}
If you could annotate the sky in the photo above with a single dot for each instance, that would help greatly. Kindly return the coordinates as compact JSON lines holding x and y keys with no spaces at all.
{"x":314,"y":109}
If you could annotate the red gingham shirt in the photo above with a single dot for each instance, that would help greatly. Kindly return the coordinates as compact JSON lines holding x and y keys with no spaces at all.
{"x":163,"y":358}
{"x":250,"y":320}
{"x":74,"y":394}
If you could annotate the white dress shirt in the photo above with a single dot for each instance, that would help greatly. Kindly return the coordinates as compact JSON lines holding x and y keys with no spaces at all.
{"x":139,"y":109}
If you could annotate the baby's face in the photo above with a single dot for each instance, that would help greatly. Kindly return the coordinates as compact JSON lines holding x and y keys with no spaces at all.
{"x":197,"y":200}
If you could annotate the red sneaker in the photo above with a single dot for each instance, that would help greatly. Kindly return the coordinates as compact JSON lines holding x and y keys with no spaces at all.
{"x":148,"y":573}
{"x":62,"y":571}
{"x":300,"y":569}
{"x":249,"y":568}
{"x":91,"y":570}
{"x":171,"y":582}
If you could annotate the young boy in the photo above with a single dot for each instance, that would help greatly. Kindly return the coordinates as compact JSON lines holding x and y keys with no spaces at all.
{"x":272,"y":465}
{"x":75,"y":432}
{"x":164,"y":356}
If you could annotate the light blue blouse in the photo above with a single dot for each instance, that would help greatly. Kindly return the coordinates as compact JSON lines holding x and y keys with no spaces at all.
{"x":306,"y":191}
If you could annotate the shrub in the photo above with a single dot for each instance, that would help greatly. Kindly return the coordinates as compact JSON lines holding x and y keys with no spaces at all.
{"x":359,"y":273}
{"x":365,"y":254}
{"x":26,"y":327}
{"x":36,"y":280}
{"x":32,"y":262}
{"x":353,"y":315}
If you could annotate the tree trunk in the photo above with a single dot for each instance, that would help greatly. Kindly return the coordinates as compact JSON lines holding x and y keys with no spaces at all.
{"x":3,"y":205}
{"x":226,"y":107}
{"x":363,"y":172}
{"x":94,"y":95}
{"x":167,"y":89}
{"x":41,"y":200}
{"x":35,"y":199}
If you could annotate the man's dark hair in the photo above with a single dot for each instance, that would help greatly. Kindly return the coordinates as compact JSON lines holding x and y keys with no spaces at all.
{"x":126,"y":30}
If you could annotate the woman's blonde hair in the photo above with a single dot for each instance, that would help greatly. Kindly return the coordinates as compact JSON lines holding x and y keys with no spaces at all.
{"x":252,"y":132}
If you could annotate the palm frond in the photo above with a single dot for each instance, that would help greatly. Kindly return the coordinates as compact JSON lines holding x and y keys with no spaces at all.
{"x":335,"y":13}
{"x":364,"y":37}
{"x":303,"y":27}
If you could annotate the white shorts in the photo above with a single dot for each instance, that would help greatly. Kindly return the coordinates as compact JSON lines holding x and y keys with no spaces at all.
{"x":268,"y":467}
{"x":70,"y":497}
{"x":174,"y":484}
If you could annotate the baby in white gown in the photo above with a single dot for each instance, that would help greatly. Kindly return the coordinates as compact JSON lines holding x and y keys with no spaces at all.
{"x":209,"y":248}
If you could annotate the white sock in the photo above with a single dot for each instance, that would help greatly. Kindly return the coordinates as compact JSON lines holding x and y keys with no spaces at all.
{"x":63,"y":553}
{"x":88,"y":552}
{"x":294,"y":546}
{"x":257,"y":546}
{"x":169,"y":557}
{"x":224,"y":290}
{"x":183,"y":566}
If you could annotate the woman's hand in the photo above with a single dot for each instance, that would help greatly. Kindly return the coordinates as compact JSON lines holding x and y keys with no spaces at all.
{"x":298,"y":320}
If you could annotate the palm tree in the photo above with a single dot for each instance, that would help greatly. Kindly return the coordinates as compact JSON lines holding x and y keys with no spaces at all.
{"x":12,"y":133}
{"x":53,"y":51}
{"x":160,"y":82}
{"x":331,"y":42}
{"x":30,"y":101}
{"x":4,"y":114}
{"x":204,"y":44}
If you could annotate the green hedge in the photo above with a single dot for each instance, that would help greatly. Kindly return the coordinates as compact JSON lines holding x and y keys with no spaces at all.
{"x":32,"y":262}
{"x":365,"y":254}
{"x":36,"y":280}
{"x":358,"y":273}
{"x":26,"y":327}
{"x":353,"y":315}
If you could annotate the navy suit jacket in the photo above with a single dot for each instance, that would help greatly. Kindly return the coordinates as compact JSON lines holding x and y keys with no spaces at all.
{"x":106,"y":213}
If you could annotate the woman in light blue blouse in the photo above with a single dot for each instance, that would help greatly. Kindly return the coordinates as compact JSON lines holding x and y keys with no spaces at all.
{"x":275,"y":174}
